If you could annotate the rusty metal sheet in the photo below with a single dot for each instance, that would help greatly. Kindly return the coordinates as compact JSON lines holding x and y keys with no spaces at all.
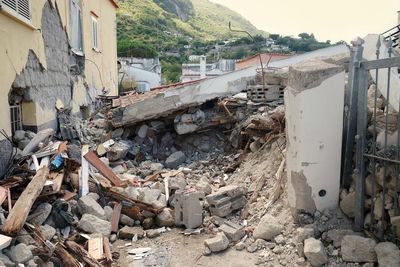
{"x":103,"y":169}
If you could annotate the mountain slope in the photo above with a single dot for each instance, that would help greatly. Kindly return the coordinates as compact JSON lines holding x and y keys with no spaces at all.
{"x":164,"y":23}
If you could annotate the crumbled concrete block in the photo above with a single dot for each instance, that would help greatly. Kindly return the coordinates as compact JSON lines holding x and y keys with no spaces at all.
{"x":303,"y":233}
{"x":315,"y":252}
{"x":358,"y":249}
{"x":336,"y":236}
{"x":267,"y":228}
{"x":226,"y":200}
{"x":165,"y":218}
{"x":48,"y":231}
{"x":188,"y":209}
{"x":126,"y":220}
{"x":348,"y":205}
{"x":218,"y":243}
{"x":117,"y":151}
{"x":233,"y":231}
{"x":142,"y":132}
{"x":388,"y":254}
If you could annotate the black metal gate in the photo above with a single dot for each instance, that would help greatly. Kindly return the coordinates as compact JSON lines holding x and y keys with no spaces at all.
{"x":372,"y":123}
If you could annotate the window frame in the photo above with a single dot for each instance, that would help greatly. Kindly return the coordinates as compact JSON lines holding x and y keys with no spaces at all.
{"x":95,"y":32}
{"x":16,"y":13}
{"x":76,"y":27}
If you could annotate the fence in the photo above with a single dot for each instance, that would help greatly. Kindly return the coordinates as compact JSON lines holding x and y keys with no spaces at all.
{"x":372,"y":123}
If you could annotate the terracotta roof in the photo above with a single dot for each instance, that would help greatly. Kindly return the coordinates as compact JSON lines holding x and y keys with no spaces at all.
{"x":255,"y":60}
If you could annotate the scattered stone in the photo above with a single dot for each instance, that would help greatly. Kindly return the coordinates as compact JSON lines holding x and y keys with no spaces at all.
{"x":48,"y":231}
{"x":113,"y":238}
{"x":207,"y":251}
{"x":6,"y":261}
{"x":40,"y":214}
{"x":218,"y":243}
{"x":336,"y":236}
{"x":117,"y":151}
{"x":87,"y":205}
{"x":165,"y":218}
{"x":126,"y":220}
{"x":358,"y":249}
{"x":388,"y":254}
{"x":204,"y":186}
{"x":20,"y":253}
{"x":18,"y":136}
{"x":108,"y":212}
{"x":233,"y":231}
{"x":252,"y":248}
{"x":279,"y":239}
{"x":148,"y":223}
{"x":175,"y":159}
{"x":240,"y":246}
{"x":315,"y":252}
{"x":267,"y":228}
{"x":93,"y":195}
{"x":127,"y":232}
{"x":152,"y":233}
{"x":303,"y":234}
{"x":92,"y":224}
{"x":142,"y":132}
{"x":347,"y":205}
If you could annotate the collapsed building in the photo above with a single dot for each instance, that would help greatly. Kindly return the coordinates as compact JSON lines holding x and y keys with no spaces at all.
{"x":273,"y":162}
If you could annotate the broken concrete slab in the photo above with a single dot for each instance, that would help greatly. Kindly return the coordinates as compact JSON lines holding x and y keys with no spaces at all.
{"x":127,"y":232}
{"x":88,"y":205}
{"x":388,"y":254}
{"x":188,"y":209}
{"x":314,"y":97}
{"x":226,"y":200}
{"x":92,"y":224}
{"x":175,"y":159}
{"x":233,"y":231}
{"x":39,"y":137}
{"x":267,"y":228}
{"x":165,"y":218}
{"x":358,"y":249}
{"x":218,"y":243}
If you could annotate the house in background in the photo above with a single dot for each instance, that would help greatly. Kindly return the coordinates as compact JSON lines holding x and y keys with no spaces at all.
{"x":140,"y":74}
{"x":201,"y":70}
{"x":54,"y":54}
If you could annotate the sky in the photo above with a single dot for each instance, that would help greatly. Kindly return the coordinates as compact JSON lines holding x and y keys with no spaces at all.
{"x":333,"y":20}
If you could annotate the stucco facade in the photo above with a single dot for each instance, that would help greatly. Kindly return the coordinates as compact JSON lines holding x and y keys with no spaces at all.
{"x":38,"y":69}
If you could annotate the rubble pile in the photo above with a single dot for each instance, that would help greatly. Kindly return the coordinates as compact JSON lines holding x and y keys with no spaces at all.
{"x":70,"y":195}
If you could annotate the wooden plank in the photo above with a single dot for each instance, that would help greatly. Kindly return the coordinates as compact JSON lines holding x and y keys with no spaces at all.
{"x":84,"y":173}
{"x":3,"y":194}
{"x":107,"y":250}
{"x":95,"y":247}
{"x":82,"y":254}
{"x":103,"y":169}
{"x":17,"y":217}
{"x":5,"y":241}
{"x":115,"y":217}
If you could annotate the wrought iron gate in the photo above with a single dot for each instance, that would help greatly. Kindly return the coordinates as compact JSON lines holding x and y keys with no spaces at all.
{"x":373,"y":123}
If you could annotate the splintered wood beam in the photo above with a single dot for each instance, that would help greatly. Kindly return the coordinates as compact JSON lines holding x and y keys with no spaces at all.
{"x":115,"y":217}
{"x":19,"y":213}
{"x":82,"y":254}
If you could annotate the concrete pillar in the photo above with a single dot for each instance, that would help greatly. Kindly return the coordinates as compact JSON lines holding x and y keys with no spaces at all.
{"x":398,"y":17}
{"x":314,"y":101}
{"x":202,"y":67}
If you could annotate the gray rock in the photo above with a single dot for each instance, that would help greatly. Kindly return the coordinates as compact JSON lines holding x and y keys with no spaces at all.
{"x":87,"y":205}
{"x":204,"y":186}
{"x":20,"y":253}
{"x":358,"y":249}
{"x":268,"y":228}
{"x":336,"y":236}
{"x":142,"y":132}
{"x":92,"y":224}
{"x":175,"y":159}
{"x":240,"y":246}
{"x":148,"y":223}
{"x":218,"y":243}
{"x":25,"y":237}
{"x":48,"y":231}
{"x":127,"y":232}
{"x":117,"y":151}
{"x":233,"y":231}
{"x":108,"y":212}
{"x":165,"y":218}
{"x":303,"y":233}
{"x":315,"y":252}
{"x":18,"y":135}
{"x":152,"y":233}
{"x":31,"y":263}
{"x":388,"y":254}
{"x":95,"y":196}
{"x":40,"y":214}
{"x":23,"y":143}
{"x":6,"y":260}
{"x":126,"y":220}
{"x":347,"y":205}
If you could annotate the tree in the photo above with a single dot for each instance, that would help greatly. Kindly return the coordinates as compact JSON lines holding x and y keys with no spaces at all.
{"x":304,"y":36}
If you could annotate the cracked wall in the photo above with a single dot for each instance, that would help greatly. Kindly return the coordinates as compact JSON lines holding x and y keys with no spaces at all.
{"x":314,"y":102}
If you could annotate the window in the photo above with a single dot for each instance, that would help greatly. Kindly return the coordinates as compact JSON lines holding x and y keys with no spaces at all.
{"x":75,"y":16}
{"x":16,"y":120}
{"x":95,"y":33}
{"x":20,"y":9}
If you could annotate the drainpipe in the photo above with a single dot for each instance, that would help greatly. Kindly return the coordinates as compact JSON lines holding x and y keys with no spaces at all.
{"x":202,"y":67}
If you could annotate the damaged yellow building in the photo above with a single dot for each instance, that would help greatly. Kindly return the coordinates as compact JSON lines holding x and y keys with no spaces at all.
{"x":53,"y":54}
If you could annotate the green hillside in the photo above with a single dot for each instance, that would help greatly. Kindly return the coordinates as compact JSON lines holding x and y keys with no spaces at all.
{"x":146,"y":27}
